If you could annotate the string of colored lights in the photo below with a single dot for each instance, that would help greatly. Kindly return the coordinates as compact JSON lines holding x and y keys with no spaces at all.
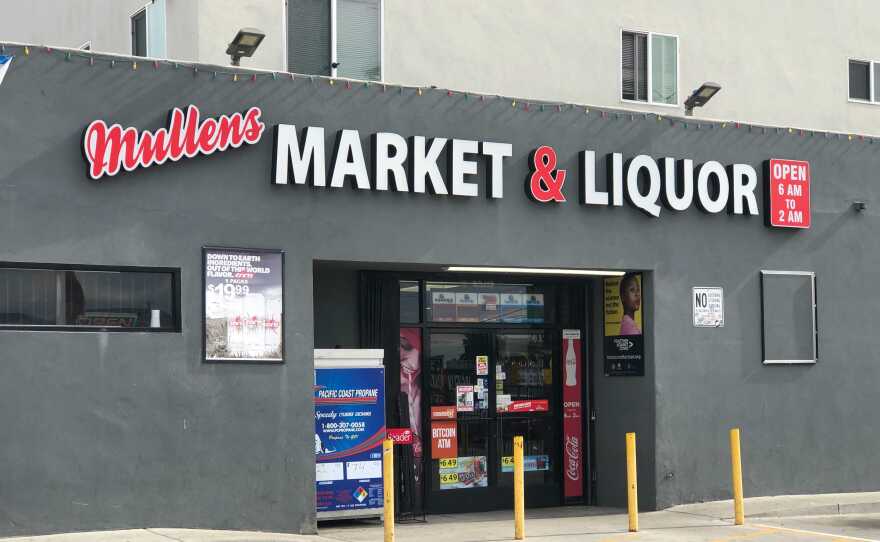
{"x":350,"y":84}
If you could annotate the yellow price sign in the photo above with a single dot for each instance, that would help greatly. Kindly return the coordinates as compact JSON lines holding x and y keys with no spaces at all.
{"x":450,"y":463}
{"x":451,"y":478}
{"x":507,"y":461}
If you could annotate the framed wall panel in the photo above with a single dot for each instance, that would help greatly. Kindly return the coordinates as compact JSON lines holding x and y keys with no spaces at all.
{"x":788,"y":317}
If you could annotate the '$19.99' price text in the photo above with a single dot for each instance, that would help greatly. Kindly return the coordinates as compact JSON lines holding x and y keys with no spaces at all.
{"x":229,"y":290}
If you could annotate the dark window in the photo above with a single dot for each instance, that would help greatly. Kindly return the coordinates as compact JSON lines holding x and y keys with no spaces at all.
{"x":634,"y":66}
{"x":139,"y":33}
{"x":859,"y":80}
{"x":309,"y":36}
{"x":88,"y":298}
{"x":409,"y":302}
{"x":357,"y":37}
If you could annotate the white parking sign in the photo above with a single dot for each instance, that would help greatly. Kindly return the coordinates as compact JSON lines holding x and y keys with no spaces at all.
{"x":708,"y":306}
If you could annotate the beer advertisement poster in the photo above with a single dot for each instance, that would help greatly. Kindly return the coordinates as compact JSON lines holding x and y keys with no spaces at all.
{"x":243,"y":305}
{"x":624,"y":342}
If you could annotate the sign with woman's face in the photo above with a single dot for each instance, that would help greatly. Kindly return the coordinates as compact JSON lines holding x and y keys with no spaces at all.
{"x":623,"y":305}
{"x":624,"y":344}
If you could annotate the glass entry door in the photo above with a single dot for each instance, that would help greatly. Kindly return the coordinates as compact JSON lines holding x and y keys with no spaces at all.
{"x":485,"y":387}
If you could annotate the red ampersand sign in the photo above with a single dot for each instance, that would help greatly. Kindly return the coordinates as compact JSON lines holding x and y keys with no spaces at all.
{"x":544,"y":186}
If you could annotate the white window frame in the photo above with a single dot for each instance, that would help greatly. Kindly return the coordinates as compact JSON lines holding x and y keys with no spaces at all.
{"x":650,"y":100}
{"x":134,"y":14}
{"x":815,"y":306}
{"x":147,"y":25}
{"x":871,"y":65}
{"x":334,"y":54}
{"x":285,"y":20}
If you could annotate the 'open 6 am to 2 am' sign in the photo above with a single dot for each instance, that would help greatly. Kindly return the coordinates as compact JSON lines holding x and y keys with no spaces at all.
{"x":787,"y":195}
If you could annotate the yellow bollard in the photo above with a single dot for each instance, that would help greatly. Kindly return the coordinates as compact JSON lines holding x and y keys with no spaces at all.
{"x":519,"y":498}
{"x":737,"y":475}
{"x":632,"y":489}
{"x":388,"y":489}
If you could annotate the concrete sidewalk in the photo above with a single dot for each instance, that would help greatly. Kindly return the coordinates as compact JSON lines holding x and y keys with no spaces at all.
{"x":166,"y":535}
{"x":767,"y":520}
{"x":789,"y":505}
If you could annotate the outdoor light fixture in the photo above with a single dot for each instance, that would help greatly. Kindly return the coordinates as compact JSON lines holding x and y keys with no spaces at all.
{"x":244,"y":44}
{"x":859,"y":206}
{"x":536,"y":271}
{"x":699,"y":97}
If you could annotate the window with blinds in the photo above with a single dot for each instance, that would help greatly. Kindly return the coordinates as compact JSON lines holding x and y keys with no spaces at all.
{"x":864,"y":81}
{"x":88,"y":298}
{"x":649,"y":68}
{"x":635,"y":66}
{"x":308,"y":36}
{"x":337,"y":38}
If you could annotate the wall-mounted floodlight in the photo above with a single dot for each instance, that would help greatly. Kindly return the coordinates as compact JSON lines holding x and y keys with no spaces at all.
{"x":700,"y":96}
{"x":244,"y":44}
{"x":859,"y":206}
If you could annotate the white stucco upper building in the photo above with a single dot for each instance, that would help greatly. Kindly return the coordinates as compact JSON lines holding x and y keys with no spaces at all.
{"x":807,"y":63}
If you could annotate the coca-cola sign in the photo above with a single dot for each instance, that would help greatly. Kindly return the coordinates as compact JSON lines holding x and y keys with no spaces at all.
{"x":572,"y":458}
{"x":572,"y":418}
{"x":109,"y":149}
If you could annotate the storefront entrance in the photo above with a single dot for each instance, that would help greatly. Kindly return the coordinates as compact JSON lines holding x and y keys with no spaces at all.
{"x":480,"y":361}
{"x":502,"y":383}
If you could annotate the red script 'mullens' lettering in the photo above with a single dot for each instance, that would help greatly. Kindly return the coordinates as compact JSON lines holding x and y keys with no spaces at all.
{"x":109,"y":149}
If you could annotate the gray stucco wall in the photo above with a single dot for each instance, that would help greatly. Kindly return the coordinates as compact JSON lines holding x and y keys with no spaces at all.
{"x":129,"y":430}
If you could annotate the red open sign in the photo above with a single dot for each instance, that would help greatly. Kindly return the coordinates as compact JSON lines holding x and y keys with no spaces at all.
{"x":787,"y":193}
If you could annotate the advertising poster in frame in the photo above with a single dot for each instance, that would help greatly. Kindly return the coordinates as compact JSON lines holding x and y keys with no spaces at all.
{"x":624,"y":341}
{"x":243,"y":303}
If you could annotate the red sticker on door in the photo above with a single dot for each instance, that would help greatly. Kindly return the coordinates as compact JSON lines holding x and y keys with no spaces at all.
{"x":443,"y":412}
{"x":444,"y":440}
{"x":402,"y":435}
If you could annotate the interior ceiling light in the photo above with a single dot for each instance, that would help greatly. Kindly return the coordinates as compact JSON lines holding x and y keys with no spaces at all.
{"x":535,"y":271}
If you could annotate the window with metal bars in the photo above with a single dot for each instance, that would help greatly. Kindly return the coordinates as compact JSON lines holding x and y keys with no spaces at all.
{"x":49,"y":297}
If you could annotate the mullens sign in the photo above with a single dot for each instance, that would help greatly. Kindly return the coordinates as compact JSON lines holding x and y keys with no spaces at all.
{"x":412,"y":164}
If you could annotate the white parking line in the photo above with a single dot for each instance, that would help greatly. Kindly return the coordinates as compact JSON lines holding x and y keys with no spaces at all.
{"x":817,"y":533}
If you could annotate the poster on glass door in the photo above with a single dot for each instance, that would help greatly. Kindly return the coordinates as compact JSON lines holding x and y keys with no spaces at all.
{"x":243,"y":311}
{"x":572,"y":413}
{"x":624,"y":343}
